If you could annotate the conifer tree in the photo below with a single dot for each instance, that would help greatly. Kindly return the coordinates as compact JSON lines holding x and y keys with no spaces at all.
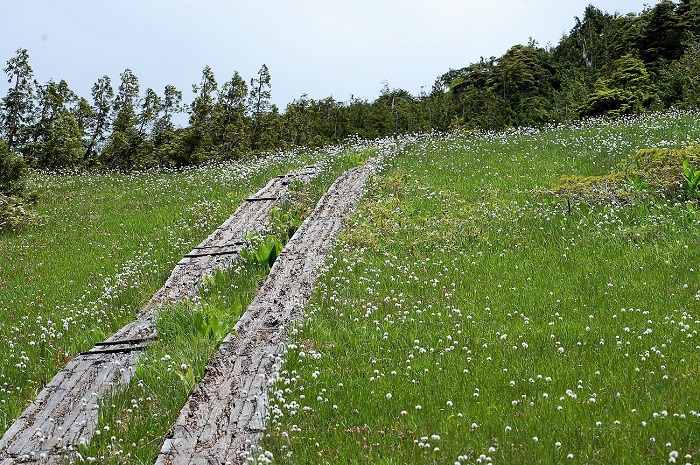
{"x":55,"y":137}
{"x":18,"y":105}
{"x":172,"y":104}
{"x":198,"y":142}
{"x":684,"y":75}
{"x":260,"y":107}
{"x":662,"y":36}
{"x":232,"y":128}
{"x":166,"y":147}
{"x":624,"y":92}
{"x":100,"y":120}
{"x":125,"y":138}
{"x":13,"y":171}
{"x":83,"y":114}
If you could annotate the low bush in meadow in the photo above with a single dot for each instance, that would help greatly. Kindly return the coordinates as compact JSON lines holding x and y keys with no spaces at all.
{"x":14,"y":205}
{"x":671,"y":173}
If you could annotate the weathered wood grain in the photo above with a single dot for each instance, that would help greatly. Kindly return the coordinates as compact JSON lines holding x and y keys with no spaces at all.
{"x":226,"y":413}
{"x":64,"y":413}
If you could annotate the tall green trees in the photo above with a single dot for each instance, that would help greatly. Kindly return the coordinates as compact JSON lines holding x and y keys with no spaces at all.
{"x":517,"y":88}
{"x":17,"y":106}
{"x":689,"y":13}
{"x":681,"y":80}
{"x":329,"y":121}
{"x":55,"y":138}
{"x":309,"y":122}
{"x":198,"y":144}
{"x":13,"y":171}
{"x":663,"y":34}
{"x":607,"y":64}
{"x":596,"y":40}
{"x":172,"y":105}
{"x":125,"y":139}
{"x":625,"y":91}
{"x":99,"y":121}
{"x":166,"y":143}
{"x":394,"y":112}
{"x":232,"y":133}
{"x":219,"y":126}
{"x":524,"y":78}
{"x":260,"y":109}
{"x":148,"y":114}
{"x":357,"y":114}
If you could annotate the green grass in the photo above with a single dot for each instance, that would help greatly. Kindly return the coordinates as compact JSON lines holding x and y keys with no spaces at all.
{"x":464,"y":313}
{"x":467,"y":317}
{"x":105,"y":244}
{"x":135,"y":419}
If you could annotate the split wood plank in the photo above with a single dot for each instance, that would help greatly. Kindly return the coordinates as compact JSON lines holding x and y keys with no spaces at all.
{"x":64,"y":413}
{"x":225,"y":415}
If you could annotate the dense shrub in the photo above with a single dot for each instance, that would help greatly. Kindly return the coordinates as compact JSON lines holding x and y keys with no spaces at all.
{"x":653,"y":171}
{"x":13,"y":202}
{"x":13,"y":170}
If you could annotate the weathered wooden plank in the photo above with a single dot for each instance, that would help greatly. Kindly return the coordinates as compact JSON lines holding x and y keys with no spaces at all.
{"x":233,"y":244}
{"x":79,"y":423}
{"x":226,"y":412}
{"x":76,"y":397}
{"x":47,"y":401}
{"x":218,"y":410}
{"x":115,"y":350}
{"x":65,"y":411}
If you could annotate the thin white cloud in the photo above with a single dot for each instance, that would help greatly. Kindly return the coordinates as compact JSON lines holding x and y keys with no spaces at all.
{"x":318,"y":47}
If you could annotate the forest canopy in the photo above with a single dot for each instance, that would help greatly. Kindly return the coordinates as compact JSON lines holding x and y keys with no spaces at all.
{"x":608,"y":64}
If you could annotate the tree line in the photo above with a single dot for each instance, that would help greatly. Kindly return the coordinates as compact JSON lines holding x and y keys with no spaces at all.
{"x":607,"y":64}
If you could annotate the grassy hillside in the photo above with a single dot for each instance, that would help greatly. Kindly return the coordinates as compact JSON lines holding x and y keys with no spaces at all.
{"x":467,"y":315}
{"x":107,"y":242}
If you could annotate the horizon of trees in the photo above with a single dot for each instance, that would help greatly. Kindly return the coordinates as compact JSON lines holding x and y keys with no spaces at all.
{"x":608,"y":64}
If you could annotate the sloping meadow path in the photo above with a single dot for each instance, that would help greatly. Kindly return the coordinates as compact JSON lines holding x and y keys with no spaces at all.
{"x":224,"y":416}
{"x":64,"y":413}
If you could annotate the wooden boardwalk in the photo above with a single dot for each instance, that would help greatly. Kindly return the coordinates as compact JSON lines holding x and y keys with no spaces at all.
{"x":64,"y":413}
{"x":226,"y":413}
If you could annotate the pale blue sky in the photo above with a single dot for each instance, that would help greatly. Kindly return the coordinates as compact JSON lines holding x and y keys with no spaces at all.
{"x":319,"y":47}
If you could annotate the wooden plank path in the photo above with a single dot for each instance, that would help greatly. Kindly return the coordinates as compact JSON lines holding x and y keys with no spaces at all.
{"x":224,"y":417}
{"x":64,"y":413}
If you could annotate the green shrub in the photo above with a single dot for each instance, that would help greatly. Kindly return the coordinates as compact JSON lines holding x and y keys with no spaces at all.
{"x":653,"y":171}
{"x":14,"y":212}
{"x":662,"y":169}
{"x":691,"y":176}
{"x":262,"y":251}
{"x":13,"y":171}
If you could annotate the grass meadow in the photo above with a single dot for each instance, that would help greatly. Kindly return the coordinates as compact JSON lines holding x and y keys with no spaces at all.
{"x":466,"y":315}
{"x":105,"y":244}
